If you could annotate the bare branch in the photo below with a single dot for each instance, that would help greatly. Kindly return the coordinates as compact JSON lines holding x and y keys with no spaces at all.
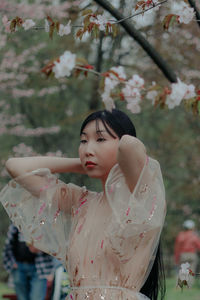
{"x":140,"y":12}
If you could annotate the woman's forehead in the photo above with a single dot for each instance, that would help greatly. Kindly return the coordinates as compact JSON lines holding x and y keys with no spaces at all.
{"x":98,"y":127}
{"x":94,"y":126}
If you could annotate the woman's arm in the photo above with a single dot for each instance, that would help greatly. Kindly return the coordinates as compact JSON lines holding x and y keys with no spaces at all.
{"x":35,"y":183}
{"x":131,"y":159}
{"x":20,"y":166}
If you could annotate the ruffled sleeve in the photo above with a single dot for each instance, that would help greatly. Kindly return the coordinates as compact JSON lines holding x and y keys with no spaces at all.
{"x":45,"y":219}
{"x":137,"y":218}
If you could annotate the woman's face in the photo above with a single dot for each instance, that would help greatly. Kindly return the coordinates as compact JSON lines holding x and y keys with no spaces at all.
{"x":98,"y":150}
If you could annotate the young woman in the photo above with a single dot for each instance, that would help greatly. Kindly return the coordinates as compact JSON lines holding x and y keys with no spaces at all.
{"x":107,"y":241}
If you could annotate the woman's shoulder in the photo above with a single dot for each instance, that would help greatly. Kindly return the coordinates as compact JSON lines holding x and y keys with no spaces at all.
{"x":79,"y":193}
{"x":150,"y":175}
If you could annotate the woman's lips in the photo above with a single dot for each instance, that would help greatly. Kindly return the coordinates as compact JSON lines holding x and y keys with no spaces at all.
{"x":90,"y":164}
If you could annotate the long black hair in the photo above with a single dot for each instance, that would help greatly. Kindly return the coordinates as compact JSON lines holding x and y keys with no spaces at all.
{"x":121,"y":124}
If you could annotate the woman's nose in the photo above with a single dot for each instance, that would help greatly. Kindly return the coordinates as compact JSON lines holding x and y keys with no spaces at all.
{"x":89,"y":150}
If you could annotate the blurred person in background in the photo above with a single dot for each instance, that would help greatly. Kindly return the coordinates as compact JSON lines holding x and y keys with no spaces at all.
{"x":187,"y":245}
{"x":29,"y":268}
{"x":61,"y":284}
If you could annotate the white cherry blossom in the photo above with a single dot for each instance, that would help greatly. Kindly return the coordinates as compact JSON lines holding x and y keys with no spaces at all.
{"x":134,"y":106}
{"x":136,"y":81}
{"x":151,"y":95}
{"x":184,"y":273}
{"x":29,"y":23}
{"x":180,"y":91}
{"x":46,"y":25}
{"x":130,"y":93}
{"x":183,"y":10}
{"x":120,"y":71}
{"x":65,"y":66}
{"x":111,"y":83}
{"x":100,"y":20}
{"x":190,"y":92}
{"x":65,"y":29}
{"x":186,"y":15}
{"x":108,"y":101}
{"x":6,"y":24}
{"x":146,"y":19}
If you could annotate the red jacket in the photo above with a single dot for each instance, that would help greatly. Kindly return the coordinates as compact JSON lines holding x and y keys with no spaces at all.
{"x":186,"y":242}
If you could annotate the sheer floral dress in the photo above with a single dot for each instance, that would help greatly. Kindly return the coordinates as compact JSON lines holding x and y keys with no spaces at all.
{"x":107,"y":245}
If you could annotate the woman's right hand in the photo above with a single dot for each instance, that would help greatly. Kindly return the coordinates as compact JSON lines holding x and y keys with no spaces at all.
{"x":15,"y":266}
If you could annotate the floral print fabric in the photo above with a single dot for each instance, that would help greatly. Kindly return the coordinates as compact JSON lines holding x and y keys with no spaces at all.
{"x":107,"y":246}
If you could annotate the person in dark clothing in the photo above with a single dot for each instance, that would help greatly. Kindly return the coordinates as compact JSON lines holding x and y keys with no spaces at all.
{"x":28,"y":266}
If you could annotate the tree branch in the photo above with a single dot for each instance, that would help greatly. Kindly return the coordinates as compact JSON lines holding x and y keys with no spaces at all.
{"x":193,"y":5}
{"x":134,"y":33}
{"x":141,"y":12}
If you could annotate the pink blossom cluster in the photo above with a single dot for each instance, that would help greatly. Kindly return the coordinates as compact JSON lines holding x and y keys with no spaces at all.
{"x":178,"y":92}
{"x":100,"y":20}
{"x":58,"y":153}
{"x":51,"y":90}
{"x":131,"y":92}
{"x":10,"y":76}
{"x":21,"y":130}
{"x":3,"y":40}
{"x":37,"y":10}
{"x":23,"y":150}
{"x":7,"y":120}
{"x":12,"y":63}
{"x":111,"y":81}
{"x":18,"y":93}
{"x":48,"y":91}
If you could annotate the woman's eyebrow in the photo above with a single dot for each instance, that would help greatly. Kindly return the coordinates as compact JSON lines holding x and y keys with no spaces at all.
{"x":83,"y":133}
{"x":100,"y":131}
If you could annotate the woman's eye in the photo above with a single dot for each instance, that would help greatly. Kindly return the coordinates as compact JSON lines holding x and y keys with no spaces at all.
{"x":83,"y":141}
{"x":101,"y":140}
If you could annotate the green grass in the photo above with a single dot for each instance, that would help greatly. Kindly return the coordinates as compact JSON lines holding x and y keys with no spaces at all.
{"x":5,"y":290}
{"x":173,"y":293}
